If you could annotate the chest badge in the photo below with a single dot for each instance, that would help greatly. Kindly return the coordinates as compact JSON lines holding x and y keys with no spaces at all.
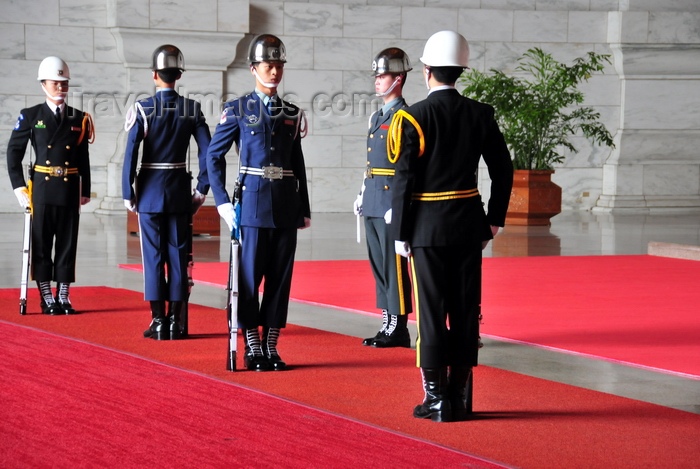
{"x":40,"y":125}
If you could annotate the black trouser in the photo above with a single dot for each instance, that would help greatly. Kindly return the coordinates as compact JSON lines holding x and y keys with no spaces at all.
{"x":60,"y":224}
{"x":448,"y":292}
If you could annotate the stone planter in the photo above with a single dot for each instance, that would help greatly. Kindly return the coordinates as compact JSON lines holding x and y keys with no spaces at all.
{"x":534,"y":199}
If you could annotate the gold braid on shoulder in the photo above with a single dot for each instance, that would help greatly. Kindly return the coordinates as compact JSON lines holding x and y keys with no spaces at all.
{"x":88,"y":127}
{"x":393,"y":142}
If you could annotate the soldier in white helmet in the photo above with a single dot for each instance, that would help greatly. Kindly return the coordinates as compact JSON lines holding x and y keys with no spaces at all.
{"x":58,"y":182}
{"x":390,"y":68}
{"x":440,"y":223}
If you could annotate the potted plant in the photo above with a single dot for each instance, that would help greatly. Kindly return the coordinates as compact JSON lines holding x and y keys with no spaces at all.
{"x":538,"y":111}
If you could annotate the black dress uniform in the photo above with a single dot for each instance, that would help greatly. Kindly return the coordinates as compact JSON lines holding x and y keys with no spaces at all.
{"x":60,"y":175}
{"x":392,"y":282}
{"x":438,"y":210}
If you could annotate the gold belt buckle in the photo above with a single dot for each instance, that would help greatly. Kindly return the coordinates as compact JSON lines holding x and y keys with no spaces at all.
{"x":368,"y":173}
{"x":272,"y":172}
{"x":57,"y":171}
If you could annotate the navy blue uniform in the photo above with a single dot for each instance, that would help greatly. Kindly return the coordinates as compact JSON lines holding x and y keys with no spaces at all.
{"x":274,"y":201}
{"x":60,"y":176}
{"x":163,"y":193}
{"x":392,"y":283}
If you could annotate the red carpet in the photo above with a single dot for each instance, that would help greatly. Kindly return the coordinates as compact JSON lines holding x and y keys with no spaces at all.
{"x":68,"y":403}
{"x":522,"y":421}
{"x":636,"y":310}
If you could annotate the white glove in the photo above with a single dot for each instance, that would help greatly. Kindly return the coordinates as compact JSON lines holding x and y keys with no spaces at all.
{"x":197,"y":201}
{"x":22,"y":194}
{"x":402,"y":248}
{"x":387,"y":217}
{"x":227,"y":213}
{"x":357,"y":205}
{"x":130,"y":205}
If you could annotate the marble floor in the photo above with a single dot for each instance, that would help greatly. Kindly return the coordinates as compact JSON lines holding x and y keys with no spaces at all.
{"x":105,"y":243}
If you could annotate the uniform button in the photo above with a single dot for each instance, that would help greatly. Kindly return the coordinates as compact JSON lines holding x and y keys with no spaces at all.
{"x":67,"y":147}
{"x":272,"y":148}
{"x":67,"y":163}
{"x":382,"y":137}
{"x":48,"y":162}
{"x":371,"y":135}
{"x":273,"y":134}
{"x":65,"y":179}
{"x":46,"y":178}
{"x":369,"y":149}
{"x":386,"y":188}
{"x":252,"y":132}
{"x":49,"y":146}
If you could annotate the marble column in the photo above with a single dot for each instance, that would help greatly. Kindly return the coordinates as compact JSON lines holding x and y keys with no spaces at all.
{"x":656,"y":164}
{"x":207,"y":57}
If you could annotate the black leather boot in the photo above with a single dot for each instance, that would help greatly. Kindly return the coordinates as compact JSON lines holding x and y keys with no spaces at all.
{"x":460,"y":392}
{"x":63,"y":298}
{"x":254,"y":358}
{"x":270,"y":337}
{"x":395,"y":335}
{"x":385,"y":323}
{"x":174,"y":315}
{"x":436,"y":405}
{"x":159,"y":328}
{"x":48,"y":303}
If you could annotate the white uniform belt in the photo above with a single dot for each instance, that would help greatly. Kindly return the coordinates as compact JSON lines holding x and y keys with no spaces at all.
{"x":268,"y":172}
{"x":182,"y":165}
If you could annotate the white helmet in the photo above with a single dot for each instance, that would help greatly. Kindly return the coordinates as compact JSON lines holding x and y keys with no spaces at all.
{"x":53,"y":68}
{"x":446,"y":49}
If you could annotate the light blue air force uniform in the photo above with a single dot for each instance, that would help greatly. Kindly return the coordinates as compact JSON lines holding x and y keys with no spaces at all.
{"x":274,"y":199}
{"x":164,"y":124}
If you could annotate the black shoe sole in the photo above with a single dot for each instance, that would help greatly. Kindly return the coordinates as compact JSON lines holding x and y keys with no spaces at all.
{"x":164,"y":335}
{"x":377,"y":344}
{"x":256,"y":364}
{"x":421,"y":412}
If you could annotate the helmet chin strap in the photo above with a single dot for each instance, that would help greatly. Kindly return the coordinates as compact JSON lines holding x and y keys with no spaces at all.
{"x":58,"y":98}
{"x":257,"y":77}
{"x":393,"y":85}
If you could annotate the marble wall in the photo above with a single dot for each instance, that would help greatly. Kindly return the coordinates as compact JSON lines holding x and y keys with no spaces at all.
{"x":648,"y":97}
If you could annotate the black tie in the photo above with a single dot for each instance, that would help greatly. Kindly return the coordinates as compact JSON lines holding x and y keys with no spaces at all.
{"x":271,"y":104}
{"x":58,"y":116}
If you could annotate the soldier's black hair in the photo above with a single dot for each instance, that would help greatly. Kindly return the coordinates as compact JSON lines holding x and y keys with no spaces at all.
{"x":169,"y":75}
{"x":447,"y":75}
